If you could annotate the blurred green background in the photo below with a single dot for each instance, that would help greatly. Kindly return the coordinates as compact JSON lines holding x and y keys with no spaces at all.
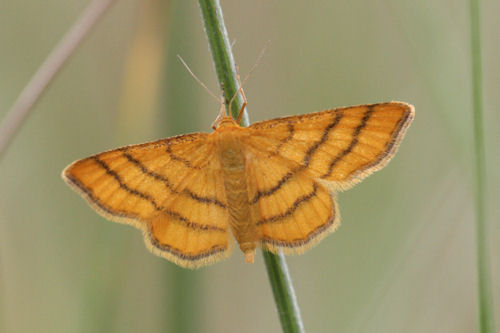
{"x":404,"y":257}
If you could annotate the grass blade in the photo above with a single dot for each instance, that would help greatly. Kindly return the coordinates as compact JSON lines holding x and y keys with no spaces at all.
{"x":484,"y":287}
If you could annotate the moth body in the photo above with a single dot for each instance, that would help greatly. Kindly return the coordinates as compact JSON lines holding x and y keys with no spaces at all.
{"x":241,"y":216}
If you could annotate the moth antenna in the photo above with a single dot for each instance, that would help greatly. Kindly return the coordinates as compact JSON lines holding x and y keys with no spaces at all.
{"x":257,"y":62}
{"x":197,"y":79}
{"x":240,"y":89}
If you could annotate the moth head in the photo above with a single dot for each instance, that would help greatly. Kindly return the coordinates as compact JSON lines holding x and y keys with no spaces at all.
{"x":224,"y":122}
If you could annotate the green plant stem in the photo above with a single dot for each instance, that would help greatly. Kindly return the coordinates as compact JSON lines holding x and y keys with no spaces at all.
{"x":486,"y":324}
{"x":222,"y":55}
{"x":284,"y":295}
{"x":281,"y":284}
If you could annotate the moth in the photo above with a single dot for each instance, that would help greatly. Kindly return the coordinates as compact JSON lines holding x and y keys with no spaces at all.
{"x":271,"y":185}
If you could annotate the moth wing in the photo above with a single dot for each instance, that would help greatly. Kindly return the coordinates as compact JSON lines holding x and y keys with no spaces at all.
{"x":296,"y":164}
{"x":292,"y":210}
{"x":172,"y":189}
{"x":342,"y":145}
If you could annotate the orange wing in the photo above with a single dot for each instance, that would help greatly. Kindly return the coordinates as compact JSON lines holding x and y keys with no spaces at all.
{"x":296,"y":164}
{"x":341,"y":146}
{"x":293,"y":210}
{"x":172,"y":189}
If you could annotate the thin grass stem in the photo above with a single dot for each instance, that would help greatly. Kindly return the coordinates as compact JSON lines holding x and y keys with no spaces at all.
{"x":281,"y":285}
{"x":485,"y":302}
